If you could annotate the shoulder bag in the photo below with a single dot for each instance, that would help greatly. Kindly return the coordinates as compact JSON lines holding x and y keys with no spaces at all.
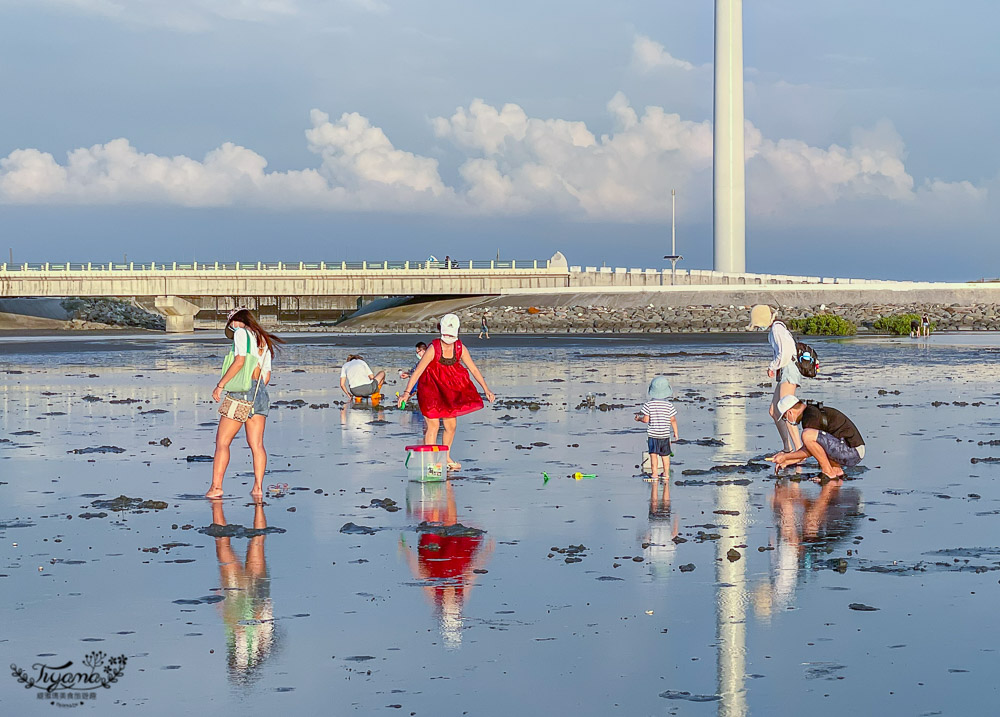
{"x":243,"y":380}
{"x":239,"y":409}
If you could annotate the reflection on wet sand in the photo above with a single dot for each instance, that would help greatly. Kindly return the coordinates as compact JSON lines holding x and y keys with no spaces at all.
{"x":658,"y":541}
{"x":247,"y":611}
{"x":444,"y":561}
{"x":730,"y":575}
{"x":730,"y":606}
{"x":805,"y":527}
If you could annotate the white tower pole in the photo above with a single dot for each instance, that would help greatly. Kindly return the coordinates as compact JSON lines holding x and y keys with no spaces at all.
{"x":729,"y":188}
{"x":673,"y":237}
{"x":673,"y":222}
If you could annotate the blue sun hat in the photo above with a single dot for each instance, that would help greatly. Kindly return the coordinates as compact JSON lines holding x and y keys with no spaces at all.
{"x":659,"y":387}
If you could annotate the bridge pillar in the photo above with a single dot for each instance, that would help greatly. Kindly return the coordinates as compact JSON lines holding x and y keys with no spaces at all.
{"x":178,"y":312}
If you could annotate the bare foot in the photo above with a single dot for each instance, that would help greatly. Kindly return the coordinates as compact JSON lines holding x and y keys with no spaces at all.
{"x":454,"y":466}
{"x":258,"y":491}
{"x":214,"y":493}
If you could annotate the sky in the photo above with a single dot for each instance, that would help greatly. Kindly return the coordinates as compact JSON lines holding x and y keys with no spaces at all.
{"x":308,"y":130}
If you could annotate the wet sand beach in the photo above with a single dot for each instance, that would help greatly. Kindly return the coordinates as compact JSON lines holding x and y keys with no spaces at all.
{"x":354,"y":591}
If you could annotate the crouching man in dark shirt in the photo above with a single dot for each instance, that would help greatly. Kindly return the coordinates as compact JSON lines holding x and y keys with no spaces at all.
{"x":827,"y":435}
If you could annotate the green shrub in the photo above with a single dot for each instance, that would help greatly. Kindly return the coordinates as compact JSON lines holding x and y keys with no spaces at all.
{"x":897,"y":324}
{"x":823,"y":325}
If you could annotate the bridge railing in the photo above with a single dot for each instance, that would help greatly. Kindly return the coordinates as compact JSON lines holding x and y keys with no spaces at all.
{"x":380,"y":265}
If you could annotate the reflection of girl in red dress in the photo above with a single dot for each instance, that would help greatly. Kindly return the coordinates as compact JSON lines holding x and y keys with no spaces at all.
{"x":446,"y":389}
{"x":445,"y":562}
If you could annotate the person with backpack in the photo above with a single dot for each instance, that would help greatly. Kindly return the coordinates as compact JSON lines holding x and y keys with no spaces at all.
{"x":782,"y":369}
{"x":827,"y":435}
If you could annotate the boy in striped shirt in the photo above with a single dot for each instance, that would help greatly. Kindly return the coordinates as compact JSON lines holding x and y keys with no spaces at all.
{"x":660,"y":417}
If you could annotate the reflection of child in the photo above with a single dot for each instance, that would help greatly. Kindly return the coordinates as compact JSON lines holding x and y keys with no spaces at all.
{"x":660,"y":417}
{"x":658,"y":542}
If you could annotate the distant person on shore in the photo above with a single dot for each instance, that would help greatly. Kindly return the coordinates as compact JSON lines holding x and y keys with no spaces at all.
{"x":660,"y":417}
{"x":782,"y":369}
{"x":914,"y":327}
{"x":357,"y":378}
{"x":484,"y":328}
{"x":925,"y":324}
{"x":421,"y":349}
{"x":446,"y":391}
{"x":250,"y":342}
{"x":827,"y":435}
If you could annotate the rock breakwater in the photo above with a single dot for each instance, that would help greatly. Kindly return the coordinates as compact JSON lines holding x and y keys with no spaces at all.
{"x":675,"y":319}
{"x":111,"y":312}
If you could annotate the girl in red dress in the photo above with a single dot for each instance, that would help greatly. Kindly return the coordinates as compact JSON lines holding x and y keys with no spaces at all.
{"x":446,"y":391}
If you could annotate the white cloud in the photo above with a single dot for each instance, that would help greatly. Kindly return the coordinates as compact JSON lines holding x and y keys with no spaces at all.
{"x":199,"y":15}
{"x":377,"y":6}
{"x":512,"y":164}
{"x":359,"y":157}
{"x":360,"y":170}
{"x":647,"y":54}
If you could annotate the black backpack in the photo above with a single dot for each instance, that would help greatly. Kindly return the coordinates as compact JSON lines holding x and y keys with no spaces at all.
{"x":806,"y":359}
{"x":824,"y":419}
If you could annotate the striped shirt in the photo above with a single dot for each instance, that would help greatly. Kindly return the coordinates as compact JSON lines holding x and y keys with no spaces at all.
{"x":660,"y":411}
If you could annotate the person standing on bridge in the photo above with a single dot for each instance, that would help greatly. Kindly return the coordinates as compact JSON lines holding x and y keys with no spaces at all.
{"x":446,"y":391}
{"x":249,"y":340}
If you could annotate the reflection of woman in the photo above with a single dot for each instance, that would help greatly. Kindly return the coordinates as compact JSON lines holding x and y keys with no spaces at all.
{"x":444,"y":562}
{"x":247,"y":612}
{"x":805,"y":527}
{"x":249,"y":339}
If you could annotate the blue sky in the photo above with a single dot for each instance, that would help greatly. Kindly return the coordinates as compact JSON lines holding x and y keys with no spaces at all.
{"x":364,"y":129}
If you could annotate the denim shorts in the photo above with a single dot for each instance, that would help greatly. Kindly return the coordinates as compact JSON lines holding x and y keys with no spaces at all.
{"x":837,"y":450}
{"x":260,"y":404}
{"x":658,"y":446}
{"x":790,"y":374}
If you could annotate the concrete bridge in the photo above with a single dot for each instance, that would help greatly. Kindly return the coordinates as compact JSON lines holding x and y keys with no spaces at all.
{"x":182,"y":291}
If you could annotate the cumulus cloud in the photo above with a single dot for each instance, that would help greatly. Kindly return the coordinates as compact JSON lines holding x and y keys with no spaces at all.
{"x":359,"y":169}
{"x":511,"y":164}
{"x":647,"y":54}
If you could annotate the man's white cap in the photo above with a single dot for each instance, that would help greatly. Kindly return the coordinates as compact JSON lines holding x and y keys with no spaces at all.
{"x":785,"y":403}
{"x":449,"y":328}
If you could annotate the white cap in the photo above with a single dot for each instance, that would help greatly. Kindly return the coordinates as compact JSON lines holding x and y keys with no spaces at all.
{"x":785,"y":403}
{"x":449,"y":328}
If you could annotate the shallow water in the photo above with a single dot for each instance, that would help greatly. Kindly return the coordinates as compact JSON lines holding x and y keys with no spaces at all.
{"x":286,"y":612}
